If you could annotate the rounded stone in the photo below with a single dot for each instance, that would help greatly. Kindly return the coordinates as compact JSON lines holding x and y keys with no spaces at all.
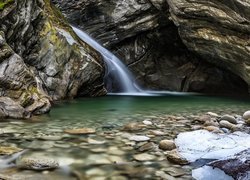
{"x":133,"y":127}
{"x":226,"y":124}
{"x":156,"y":133}
{"x":246,"y":117}
{"x":175,"y":157}
{"x":144,"y":157}
{"x":80,"y":131}
{"x":229,"y":118}
{"x":147,"y":147}
{"x":212,"y":114}
{"x":203,"y":118}
{"x":38,"y":164}
{"x":167,"y":145}
{"x":213,"y":129}
{"x":147,"y":122}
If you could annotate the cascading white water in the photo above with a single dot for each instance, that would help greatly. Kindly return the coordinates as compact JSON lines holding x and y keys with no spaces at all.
{"x":122,"y":76}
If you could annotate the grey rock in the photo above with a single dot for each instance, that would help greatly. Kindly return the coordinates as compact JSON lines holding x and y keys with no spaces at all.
{"x":12,"y":109}
{"x":228,"y":125}
{"x":42,"y":60}
{"x":216,"y":30}
{"x":229,"y":118}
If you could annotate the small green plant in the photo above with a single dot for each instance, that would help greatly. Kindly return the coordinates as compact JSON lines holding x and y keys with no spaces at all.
{"x":3,"y":3}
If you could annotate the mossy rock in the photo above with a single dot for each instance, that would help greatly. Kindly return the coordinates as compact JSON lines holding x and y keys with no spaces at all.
{"x":9,"y":150}
{"x":4,"y":3}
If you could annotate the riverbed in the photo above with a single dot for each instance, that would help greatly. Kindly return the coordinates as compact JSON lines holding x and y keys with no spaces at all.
{"x":111,"y":152}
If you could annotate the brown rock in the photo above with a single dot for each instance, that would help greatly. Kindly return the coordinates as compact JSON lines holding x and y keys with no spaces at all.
{"x":133,"y":127}
{"x":156,"y":133}
{"x":167,"y":145}
{"x":80,"y":131}
{"x":147,"y":147}
{"x":211,"y":123}
{"x":213,"y":129}
{"x":9,"y":150}
{"x":203,"y":118}
{"x":175,"y":157}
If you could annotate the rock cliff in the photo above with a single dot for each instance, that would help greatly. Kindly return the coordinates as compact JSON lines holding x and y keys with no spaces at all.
{"x":157,"y":42}
{"x":219,"y":31}
{"x":42,"y":60}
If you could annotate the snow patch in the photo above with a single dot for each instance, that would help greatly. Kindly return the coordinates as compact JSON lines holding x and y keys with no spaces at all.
{"x":206,"y":145}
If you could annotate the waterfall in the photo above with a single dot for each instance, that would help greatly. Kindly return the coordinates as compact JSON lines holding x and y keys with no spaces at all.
{"x":117,"y":73}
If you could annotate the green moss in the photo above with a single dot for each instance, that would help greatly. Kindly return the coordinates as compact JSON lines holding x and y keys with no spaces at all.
{"x":4,"y":3}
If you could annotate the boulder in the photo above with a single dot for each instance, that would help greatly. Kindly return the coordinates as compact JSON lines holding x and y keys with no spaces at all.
{"x":219,"y":31}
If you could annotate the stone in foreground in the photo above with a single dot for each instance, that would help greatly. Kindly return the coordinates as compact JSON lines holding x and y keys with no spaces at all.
{"x":167,"y":145}
{"x":174,"y":157}
{"x":38,"y":164}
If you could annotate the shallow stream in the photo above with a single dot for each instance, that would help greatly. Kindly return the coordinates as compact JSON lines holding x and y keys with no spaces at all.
{"x":108,"y":153}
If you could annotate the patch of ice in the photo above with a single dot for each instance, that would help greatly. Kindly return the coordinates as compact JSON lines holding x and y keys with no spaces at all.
{"x":209,"y":173}
{"x":206,"y":145}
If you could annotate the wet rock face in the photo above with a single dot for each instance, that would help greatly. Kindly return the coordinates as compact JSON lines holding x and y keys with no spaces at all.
{"x":143,"y":35}
{"x":219,"y":31}
{"x":42,"y":59}
{"x":113,"y":21}
{"x":238,"y":166}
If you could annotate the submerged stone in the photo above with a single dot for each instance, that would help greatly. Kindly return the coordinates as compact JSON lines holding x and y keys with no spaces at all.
{"x":139,"y":138}
{"x":80,"y":131}
{"x":9,"y":150}
{"x":133,"y":127}
{"x":38,"y":163}
{"x":144,"y":157}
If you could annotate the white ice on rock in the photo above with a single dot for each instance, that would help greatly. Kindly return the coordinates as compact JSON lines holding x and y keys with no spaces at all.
{"x":202,"y":144}
{"x":209,"y":173}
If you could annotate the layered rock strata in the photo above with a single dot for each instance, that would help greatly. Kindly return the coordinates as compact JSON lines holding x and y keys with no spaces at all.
{"x":42,"y":60}
{"x":142,"y":33}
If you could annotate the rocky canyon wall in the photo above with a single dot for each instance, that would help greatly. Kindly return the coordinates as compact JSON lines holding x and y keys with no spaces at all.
{"x":42,"y":60}
{"x":163,"y":49}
